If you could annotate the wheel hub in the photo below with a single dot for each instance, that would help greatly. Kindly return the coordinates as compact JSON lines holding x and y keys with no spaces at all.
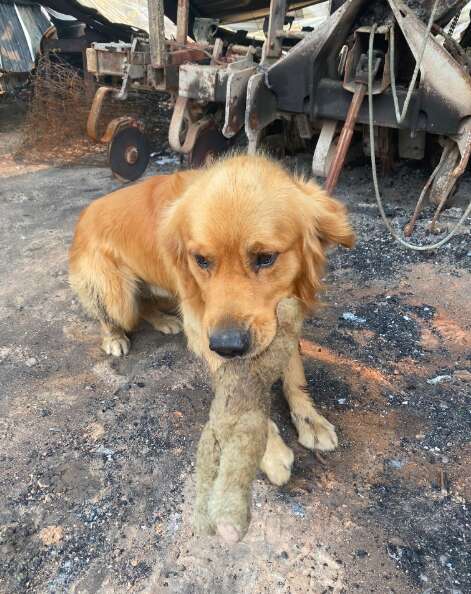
{"x":131,"y":154}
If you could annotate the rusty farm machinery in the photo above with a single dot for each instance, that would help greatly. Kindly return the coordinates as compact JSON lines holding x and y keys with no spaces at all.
{"x":391,"y":73}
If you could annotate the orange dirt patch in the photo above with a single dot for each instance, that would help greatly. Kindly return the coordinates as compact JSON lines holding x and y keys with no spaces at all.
{"x":353,"y":372}
{"x":455,"y":336}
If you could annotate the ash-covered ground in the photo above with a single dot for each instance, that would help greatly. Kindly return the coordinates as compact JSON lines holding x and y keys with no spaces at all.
{"x":97,"y":454}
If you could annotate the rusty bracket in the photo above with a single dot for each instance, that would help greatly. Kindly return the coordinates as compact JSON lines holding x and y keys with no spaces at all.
{"x":261,"y":110}
{"x":123,"y":92}
{"x":184,"y":129}
{"x":95,"y":112}
{"x":114,"y":124}
{"x":236,"y":97}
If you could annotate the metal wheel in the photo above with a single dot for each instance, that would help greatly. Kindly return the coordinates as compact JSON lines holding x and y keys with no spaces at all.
{"x":128,"y":153}
{"x":209,"y":144}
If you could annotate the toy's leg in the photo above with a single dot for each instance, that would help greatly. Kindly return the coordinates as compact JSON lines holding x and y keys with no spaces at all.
{"x":207,"y":464}
{"x":278,"y":457}
{"x":314,"y":431}
{"x":229,"y":504}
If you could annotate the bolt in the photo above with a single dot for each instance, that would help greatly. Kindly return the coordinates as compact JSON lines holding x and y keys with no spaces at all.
{"x":131,"y":154}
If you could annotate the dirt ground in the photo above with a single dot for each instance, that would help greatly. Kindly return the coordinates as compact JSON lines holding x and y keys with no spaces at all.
{"x":97,"y":454}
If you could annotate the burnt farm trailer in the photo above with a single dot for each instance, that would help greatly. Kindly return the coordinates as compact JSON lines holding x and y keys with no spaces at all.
{"x":300,"y":89}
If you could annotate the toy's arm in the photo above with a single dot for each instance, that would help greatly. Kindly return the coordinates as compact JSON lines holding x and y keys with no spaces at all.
{"x":207,"y":464}
{"x":270,"y":365}
{"x":229,"y":504}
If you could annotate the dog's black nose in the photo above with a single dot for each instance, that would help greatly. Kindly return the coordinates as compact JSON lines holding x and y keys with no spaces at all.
{"x":230,"y":342}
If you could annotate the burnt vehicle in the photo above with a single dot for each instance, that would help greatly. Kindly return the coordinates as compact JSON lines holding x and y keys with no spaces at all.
{"x":205,"y":68}
{"x":394,"y":68}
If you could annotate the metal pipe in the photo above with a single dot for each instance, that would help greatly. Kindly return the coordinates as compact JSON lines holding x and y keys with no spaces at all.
{"x":345,"y":138}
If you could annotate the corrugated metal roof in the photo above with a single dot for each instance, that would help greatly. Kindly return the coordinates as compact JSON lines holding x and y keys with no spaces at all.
{"x":133,"y":13}
{"x":21,"y":28}
{"x":35,"y":22}
{"x":110,"y":31}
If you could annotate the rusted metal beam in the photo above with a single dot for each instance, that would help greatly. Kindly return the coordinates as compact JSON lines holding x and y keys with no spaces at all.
{"x":183,"y":11}
{"x":182,"y":56}
{"x":156,"y":33}
{"x":345,"y":138}
{"x":274,"y":42}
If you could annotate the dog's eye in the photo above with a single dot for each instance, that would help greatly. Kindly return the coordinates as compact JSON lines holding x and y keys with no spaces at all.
{"x":264,"y":260}
{"x":202,"y":261}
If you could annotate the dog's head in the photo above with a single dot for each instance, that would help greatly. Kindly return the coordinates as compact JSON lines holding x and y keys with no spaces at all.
{"x":244,"y":235}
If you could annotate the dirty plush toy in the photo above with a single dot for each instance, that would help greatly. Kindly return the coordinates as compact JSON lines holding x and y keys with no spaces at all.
{"x":234,"y":439}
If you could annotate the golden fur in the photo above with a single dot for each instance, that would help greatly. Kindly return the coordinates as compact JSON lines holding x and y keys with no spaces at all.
{"x":139,"y":245}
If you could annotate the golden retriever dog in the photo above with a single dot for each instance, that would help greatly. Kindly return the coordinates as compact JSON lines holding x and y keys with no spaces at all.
{"x":224,"y":244}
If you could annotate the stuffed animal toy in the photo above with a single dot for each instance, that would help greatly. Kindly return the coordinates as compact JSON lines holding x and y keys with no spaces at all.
{"x":234,"y":439}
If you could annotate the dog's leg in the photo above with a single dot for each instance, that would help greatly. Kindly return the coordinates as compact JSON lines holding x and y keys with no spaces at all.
{"x":314,"y":431}
{"x":108,"y":291}
{"x":161,"y":321}
{"x":117,"y":312}
{"x":114,"y":340}
{"x":278,"y":458}
{"x":207,"y":464}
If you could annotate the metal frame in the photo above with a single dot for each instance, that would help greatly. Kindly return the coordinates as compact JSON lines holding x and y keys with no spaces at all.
{"x":317,"y":84}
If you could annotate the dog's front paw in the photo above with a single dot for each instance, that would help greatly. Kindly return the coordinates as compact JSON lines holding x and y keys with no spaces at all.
{"x":277,"y":460}
{"x":116,"y":345}
{"x":315,"y":432}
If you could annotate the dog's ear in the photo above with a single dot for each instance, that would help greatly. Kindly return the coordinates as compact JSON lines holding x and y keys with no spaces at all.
{"x":171,"y":239}
{"x":324,"y":223}
{"x":329,"y":217}
{"x":173,"y":223}
{"x":171,"y":230}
